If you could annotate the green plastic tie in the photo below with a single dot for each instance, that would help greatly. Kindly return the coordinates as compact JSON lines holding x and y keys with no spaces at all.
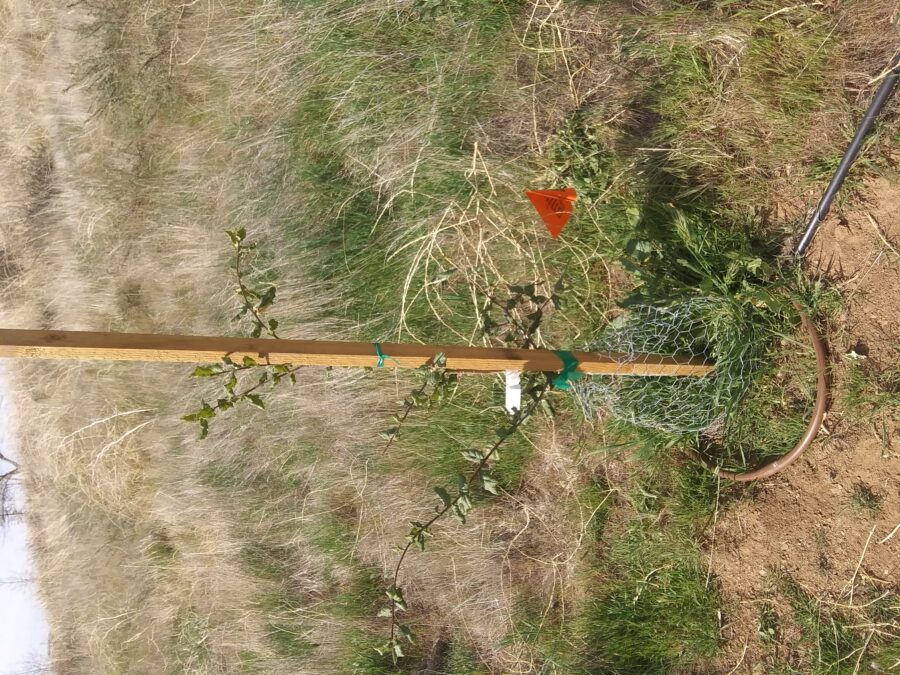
{"x":569,"y":372}
{"x":381,"y":356}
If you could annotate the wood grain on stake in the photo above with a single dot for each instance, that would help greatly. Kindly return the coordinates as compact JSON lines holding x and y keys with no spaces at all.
{"x":51,"y":344}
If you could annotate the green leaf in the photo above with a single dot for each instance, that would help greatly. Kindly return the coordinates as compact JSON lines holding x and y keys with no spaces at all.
{"x":461,"y":510}
{"x":473,"y":456}
{"x":418,"y":534}
{"x":633,"y":214}
{"x":204,"y":429}
{"x":256,"y":332}
{"x":384,"y":612}
{"x":231,"y":384}
{"x":236,"y":236}
{"x":273,"y":325}
{"x":443,"y":276}
{"x":488,"y":484}
{"x":193,"y":417}
{"x":390,"y":434}
{"x":462,"y":483}
{"x":206,"y":371}
{"x":444,"y":495}
{"x":398,"y":651}
{"x":396,"y":595}
{"x":256,"y":400}
{"x":406,"y":632}
{"x":266,"y":299}
{"x":249,"y":362}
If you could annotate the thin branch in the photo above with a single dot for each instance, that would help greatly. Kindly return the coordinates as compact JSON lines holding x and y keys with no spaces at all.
{"x":892,"y":533}
{"x":881,"y":236}
{"x":859,"y":564}
{"x":520,"y":419}
{"x":243,"y":394}
{"x":12,"y":462}
{"x":409,"y":405}
{"x":245,"y":293}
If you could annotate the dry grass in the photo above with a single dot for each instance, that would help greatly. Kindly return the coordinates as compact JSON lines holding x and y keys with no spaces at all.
{"x":114,"y":211}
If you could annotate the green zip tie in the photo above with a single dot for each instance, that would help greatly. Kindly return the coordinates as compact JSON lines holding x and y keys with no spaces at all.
{"x":569,"y":372}
{"x":381,"y":356}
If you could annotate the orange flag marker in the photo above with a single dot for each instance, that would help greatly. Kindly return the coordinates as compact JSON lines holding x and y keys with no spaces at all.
{"x":554,"y":207}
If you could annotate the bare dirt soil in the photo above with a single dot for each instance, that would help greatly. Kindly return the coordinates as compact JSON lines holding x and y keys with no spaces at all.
{"x":803,"y":521}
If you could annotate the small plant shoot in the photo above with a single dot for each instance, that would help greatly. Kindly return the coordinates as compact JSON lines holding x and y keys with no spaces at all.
{"x":247,"y":380}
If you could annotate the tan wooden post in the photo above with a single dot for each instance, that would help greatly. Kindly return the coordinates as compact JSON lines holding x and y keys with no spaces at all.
{"x":54,"y":344}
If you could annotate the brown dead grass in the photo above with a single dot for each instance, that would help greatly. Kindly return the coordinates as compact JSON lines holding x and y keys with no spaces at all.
{"x":114,"y":222}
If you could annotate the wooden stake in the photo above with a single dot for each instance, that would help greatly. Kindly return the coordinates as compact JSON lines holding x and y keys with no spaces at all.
{"x":54,"y":344}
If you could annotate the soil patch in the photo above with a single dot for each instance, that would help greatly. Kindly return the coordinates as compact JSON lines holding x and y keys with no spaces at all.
{"x":804,"y":522}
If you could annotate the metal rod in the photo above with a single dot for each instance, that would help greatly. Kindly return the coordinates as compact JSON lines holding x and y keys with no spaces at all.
{"x":868,"y":121}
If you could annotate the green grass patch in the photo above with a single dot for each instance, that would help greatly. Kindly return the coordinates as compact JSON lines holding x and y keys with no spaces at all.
{"x":360,"y":657}
{"x":873,"y":390}
{"x":462,"y":660}
{"x":863,"y":498}
{"x":192,"y":648}
{"x":537,"y":628}
{"x":872,"y":394}
{"x":427,"y":73}
{"x":160,"y":548}
{"x":268,"y":494}
{"x":265,"y":561}
{"x":434,"y":439}
{"x":734,"y":95}
{"x":651,"y":608}
{"x":655,"y":614}
{"x":835,"y":638}
{"x":290,"y":640}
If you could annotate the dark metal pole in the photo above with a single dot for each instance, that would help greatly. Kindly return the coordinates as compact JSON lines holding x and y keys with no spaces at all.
{"x":881,"y":97}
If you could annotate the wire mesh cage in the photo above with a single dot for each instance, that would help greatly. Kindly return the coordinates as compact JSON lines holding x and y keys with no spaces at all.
{"x":714,"y":328}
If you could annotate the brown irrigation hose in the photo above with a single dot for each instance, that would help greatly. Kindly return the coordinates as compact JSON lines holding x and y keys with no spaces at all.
{"x":815,"y":423}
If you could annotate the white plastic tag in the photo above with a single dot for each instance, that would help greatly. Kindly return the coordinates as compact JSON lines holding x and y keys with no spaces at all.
{"x":513,"y":390}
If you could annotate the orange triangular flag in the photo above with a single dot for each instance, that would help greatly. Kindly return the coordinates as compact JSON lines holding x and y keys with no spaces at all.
{"x":554,"y":207}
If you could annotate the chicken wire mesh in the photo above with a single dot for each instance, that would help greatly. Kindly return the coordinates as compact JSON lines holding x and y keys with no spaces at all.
{"x":717,"y":329}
